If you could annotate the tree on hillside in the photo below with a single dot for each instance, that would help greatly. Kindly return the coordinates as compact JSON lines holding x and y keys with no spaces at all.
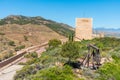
{"x":70,"y":50}
{"x":71,"y":37}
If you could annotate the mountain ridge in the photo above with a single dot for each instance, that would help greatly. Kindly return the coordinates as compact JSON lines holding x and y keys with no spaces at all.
{"x":60,"y":28}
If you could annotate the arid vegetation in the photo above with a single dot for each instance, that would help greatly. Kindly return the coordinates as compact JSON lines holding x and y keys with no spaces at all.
{"x":52,"y":63}
{"x":59,"y":61}
{"x":18,"y":32}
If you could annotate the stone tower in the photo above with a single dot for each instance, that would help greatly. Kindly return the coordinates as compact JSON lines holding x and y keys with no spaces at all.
{"x":83,"y":29}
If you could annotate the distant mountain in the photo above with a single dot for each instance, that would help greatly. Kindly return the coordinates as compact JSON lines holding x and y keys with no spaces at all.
{"x":60,"y":28}
{"x":108,"y":31}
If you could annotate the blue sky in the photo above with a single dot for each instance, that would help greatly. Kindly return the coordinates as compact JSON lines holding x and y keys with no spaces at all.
{"x":105,"y":13}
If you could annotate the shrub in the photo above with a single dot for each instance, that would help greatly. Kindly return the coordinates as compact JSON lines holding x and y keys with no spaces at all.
{"x":70,"y":50}
{"x":111,"y":70}
{"x":6,"y":55}
{"x":2,"y":33}
{"x":32,"y":55}
{"x":55,"y":73}
{"x":11,"y":43}
{"x":27,"y":71}
{"x":19,"y":47}
{"x":54,"y":43}
{"x":25,"y":38}
{"x":20,"y":75}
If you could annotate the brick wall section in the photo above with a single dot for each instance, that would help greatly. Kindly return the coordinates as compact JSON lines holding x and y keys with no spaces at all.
{"x":9,"y":60}
{"x":20,"y":54}
{"x":83,"y":29}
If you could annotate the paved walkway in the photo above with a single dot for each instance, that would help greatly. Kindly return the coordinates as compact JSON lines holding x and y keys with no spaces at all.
{"x":8,"y":73}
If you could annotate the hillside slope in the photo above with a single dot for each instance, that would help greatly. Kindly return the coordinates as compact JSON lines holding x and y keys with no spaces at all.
{"x":28,"y":31}
{"x":23,"y":20}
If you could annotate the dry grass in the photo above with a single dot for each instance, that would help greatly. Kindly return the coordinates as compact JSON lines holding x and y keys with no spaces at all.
{"x":36,"y":34}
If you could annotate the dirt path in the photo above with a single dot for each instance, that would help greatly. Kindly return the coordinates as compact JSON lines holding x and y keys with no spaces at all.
{"x":9,"y":72}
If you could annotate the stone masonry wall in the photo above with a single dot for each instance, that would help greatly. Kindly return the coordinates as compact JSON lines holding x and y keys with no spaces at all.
{"x":83,"y":29}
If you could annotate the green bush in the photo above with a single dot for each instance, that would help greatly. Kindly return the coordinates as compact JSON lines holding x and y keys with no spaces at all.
{"x":32,"y":61}
{"x":55,"y":73}
{"x":73,"y":50}
{"x":54,"y":43}
{"x":27,"y":70}
{"x":111,"y":70}
{"x":1,"y":33}
{"x":70,"y":50}
{"x":6,"y":55}
{"x":11,"y":43}
{"x":31,"y":55}
{"x":34,"y":55}
{"x":19,"y":47}
{"x":25,"y":38}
